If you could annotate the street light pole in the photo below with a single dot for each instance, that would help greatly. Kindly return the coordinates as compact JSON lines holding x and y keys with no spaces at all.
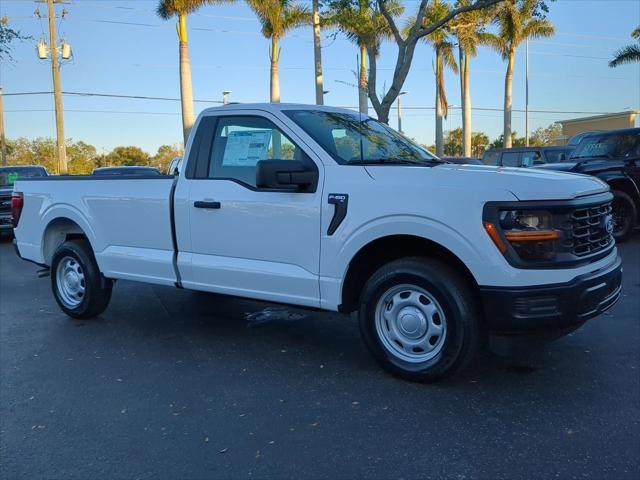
{"x":61,"y":152}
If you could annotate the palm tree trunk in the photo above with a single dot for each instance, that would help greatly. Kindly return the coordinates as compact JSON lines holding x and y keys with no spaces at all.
{"x":363,"y":102}
{"x":274,"y":56}
{"x":317,"y":54}
{"x":439,"y":106}
{"x":508,"y":87}
{"x":462,"y":94}
{"x":186,"y":88}
{"x":466,"y":128}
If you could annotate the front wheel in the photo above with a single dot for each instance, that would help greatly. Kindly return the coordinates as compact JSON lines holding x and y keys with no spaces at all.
{"x":78,"y":286}
{"x":624,"y":215}
{"x":419,"y":318}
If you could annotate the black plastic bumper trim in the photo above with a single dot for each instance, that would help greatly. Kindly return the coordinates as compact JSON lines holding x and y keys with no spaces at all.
{"x":544,"y":308}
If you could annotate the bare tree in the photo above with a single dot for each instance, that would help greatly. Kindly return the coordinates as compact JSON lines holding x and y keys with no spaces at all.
{"x":406,"y":49}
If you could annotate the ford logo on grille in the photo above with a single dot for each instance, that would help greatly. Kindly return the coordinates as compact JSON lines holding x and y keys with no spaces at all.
{"x":607,"y":223}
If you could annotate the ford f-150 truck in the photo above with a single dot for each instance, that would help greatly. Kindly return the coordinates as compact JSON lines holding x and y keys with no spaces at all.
{"x":330,"y":209}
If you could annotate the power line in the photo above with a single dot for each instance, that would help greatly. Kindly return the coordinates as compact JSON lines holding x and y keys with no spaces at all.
{"x":91,"y":111}
{"x":111,"y":95}
{"x":172,"y":99}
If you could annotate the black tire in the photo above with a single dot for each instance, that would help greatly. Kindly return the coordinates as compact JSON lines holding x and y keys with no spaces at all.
{"x":625,"y":214}
{"x":452,"y":295}
{"x":92,"y":296}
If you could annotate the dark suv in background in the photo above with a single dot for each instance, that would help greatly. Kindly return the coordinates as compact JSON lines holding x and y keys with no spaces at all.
{"x":613,"y":157}
{"x":8,"y":175}
{"x":524,"y":156}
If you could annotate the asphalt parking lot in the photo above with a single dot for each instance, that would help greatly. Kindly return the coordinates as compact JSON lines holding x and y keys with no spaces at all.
{"x":176,"y":384}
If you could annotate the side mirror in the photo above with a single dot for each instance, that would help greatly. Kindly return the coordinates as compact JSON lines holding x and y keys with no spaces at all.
{"x":285,"y":175}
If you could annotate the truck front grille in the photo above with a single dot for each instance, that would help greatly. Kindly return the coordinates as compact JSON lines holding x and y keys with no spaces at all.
{"x":591,"y":229}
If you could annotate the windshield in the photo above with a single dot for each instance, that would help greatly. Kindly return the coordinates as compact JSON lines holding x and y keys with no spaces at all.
{"x":618,"y":145}
{"x":353,"y":139}
{"x":8,"y":176}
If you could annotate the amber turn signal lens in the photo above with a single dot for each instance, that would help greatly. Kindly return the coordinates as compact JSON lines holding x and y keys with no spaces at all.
{"x":495,"y":236}
{"x":533,"y":236}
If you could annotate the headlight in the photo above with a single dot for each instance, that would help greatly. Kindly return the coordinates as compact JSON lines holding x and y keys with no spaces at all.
{"x":529,"y":232}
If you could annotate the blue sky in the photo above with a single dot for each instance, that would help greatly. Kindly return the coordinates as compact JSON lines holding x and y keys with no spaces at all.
{"x":568,"y":72}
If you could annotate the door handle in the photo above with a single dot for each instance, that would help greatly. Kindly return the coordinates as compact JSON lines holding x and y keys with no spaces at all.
{"x":203,"y":204}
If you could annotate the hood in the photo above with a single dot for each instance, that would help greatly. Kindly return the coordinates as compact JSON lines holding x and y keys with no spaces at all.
{"x":523,"y":183}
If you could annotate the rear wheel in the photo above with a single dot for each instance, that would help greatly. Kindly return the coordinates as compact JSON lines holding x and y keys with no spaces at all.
{"x":624,"y":215}
{"x":78,"y":286}
{"x":419,"y":319}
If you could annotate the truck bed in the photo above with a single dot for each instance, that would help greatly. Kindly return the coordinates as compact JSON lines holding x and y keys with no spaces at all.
{"x":127,"y":219}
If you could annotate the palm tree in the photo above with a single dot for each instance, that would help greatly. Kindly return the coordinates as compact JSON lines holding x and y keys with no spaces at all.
{"x":443,"y":47}
{"x":517,"y":21}
{"x":470,"y":33}
{"x":628,"y":54}
{"x":181,"y":8}
{"x":317,"y":53}
{"x":277,"y":17}
{"x":363,"y":24}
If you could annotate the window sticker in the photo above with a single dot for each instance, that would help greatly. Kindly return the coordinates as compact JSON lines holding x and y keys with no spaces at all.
{"x":246,"y":148}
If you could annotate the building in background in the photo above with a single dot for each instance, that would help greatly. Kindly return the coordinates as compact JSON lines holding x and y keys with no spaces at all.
{"x":610,"y":121}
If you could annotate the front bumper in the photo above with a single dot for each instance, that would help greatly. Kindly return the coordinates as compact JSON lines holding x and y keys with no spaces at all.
{"x":547,"y":309}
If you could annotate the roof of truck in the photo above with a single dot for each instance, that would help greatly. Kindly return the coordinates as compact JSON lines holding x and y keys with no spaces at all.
{"x":276,"y":107}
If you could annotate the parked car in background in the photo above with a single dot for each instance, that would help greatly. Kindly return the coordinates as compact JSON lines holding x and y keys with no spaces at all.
{"x":614,"y":157}
{"x":463,"y":160}
{"x":431,"y":256}
{"x":175,"y":166}
{"x":524,"y":156}
{"x":8,"y":176}
{"x":126,"y":170}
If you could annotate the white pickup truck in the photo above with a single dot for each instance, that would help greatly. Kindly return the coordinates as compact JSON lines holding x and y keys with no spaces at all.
{"x":325,"y":208}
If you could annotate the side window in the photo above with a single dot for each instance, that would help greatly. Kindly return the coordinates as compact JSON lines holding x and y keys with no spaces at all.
{"x":510,"y":159}
{"x":531,"y":158}
{"x":239,"y":143}
{"x":491,"y":158}
{"x":554,"y":156}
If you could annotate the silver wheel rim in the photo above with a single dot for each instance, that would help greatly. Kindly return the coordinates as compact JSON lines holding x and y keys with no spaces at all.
{"x":70,"y":282}
{"x":410,"y":323}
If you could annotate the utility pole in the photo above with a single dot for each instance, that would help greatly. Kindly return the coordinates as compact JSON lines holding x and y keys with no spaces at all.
{"x":400,"y":111}
{"x":317,"y":53}
{"x":526,"y":101}
{"x":61,"y":151}
{"x":3,"y":143}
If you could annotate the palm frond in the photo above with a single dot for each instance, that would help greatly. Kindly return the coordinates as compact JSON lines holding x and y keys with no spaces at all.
{"x":295,"y":16}
{"x":628,"y":54}
{"x":172,"y":8}
{"x":449,"y":56}
{"x":538,"y":28}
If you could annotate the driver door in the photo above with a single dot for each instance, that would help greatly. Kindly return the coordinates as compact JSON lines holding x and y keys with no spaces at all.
{"x":245,"y":240}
